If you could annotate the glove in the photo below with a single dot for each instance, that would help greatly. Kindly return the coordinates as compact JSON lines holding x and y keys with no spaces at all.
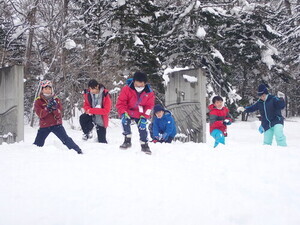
{"x":142,"y":124}
{"x":240,"y":109}
{"x":154,"y":140}
{"x":280,"y":94}
{"x":52,"y":105}
{"x":125,"y":118}
{"x":226,"y":122}
{"x":165,"y":136}
{"x":261,"y":129}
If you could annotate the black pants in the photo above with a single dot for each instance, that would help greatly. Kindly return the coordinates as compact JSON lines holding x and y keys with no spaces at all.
{"x":86,"y":123}
{"x":59,"y":131}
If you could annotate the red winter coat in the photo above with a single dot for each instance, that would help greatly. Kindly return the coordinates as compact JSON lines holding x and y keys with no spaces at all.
{"x":217,"y":117}
{"x":48,"y":119}
{"x":105,"y":107}
{"x":134,"y":103}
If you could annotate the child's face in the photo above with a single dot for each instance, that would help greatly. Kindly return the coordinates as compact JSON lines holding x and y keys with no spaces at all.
{"x":47,"y":90}
{"x":159,"y":114}
{"x":94,"y":90}
{"x":263,"y":97}
{"x":218,"y":104}
{"x":139,"y":84}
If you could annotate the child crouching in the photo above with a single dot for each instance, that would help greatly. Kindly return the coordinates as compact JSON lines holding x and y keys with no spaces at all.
{"x":163,"y":126}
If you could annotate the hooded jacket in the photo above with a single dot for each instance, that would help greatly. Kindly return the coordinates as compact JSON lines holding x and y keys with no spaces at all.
{"x":165,"y":124}
{"x":270,"y":111}
{"x":217,"y":117}
{"x":47,"y":118}
{"x":134,"y":103}
{"x":105,"y":107}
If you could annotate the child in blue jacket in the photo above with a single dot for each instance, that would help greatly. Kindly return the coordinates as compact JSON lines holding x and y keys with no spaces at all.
{"x":270,"y":107}
{"x":163,"y":125}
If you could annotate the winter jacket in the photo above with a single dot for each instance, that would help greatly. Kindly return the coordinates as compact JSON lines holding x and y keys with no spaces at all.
{"x":47,"y":118}
{"x":134,"y":103}
{"x":270,"y":111}
{"x":105,"y":107}
{"x":217,"y":117}
{"x":165,"y":125}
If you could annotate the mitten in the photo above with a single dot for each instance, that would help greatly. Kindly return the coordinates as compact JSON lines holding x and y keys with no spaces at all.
{"x":240,"y":109}
{"x":226,"y":122}
{"x":142,"y":124}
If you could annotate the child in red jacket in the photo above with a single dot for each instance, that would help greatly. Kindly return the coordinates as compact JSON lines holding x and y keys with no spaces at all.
{"x":135,"y":102}
{"x":219,"y":118}
{"x":48,"y":108}
{"x":97,"y":106}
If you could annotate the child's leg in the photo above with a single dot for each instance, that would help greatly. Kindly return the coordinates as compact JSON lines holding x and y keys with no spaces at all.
{"x":86,"y":123}
{"x":218,"y":136}
{"x":60,"y":132}
{"x":143,"y":133}
{"x":268,"y":136}
{"x":101,"y":132}
{"x":127,"y":127}
{"x":169,"y":140}
{"x":41,"y":136}
{"x":279,"y":136}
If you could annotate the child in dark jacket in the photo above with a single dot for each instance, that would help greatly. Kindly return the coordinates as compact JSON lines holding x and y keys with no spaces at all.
{"x":49,"y":109}
{"x":219,"y":118}
{"x":270,"y":107}
{"x":163,"y":125}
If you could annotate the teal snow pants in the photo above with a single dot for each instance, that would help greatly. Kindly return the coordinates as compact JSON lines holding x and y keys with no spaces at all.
{"x":277,"y":130}
{"x":218,"y":136}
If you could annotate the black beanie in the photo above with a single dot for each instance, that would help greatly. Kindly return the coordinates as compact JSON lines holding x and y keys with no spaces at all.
{"x":158,"y":108}
{"x":140,"y":76}
{"x":262,"y":89}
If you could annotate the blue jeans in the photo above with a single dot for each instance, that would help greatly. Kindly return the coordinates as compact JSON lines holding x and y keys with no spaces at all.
{"x":127,"y":130}
{"x":280,"y":138}
{"x":59,"y":131}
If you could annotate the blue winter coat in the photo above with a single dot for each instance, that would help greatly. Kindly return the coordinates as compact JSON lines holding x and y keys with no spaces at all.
{"x":166,"y":124}
{"x":270,"y":111}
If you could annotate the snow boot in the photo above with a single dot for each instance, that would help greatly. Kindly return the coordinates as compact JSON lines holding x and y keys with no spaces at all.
{"x":78,"y":150}
{"x":85,"y":137}
{"x":146,"y":149}
{"x":127,"y":143}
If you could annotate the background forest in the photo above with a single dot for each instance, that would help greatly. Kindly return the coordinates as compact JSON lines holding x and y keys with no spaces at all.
{"x":238,"y":43}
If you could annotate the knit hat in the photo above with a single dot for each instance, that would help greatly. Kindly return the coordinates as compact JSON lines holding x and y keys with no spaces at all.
{"x":262,"y":89}
{"x":46,"y":83}
{"x":158,"y":108}
{"x":140,"y":76}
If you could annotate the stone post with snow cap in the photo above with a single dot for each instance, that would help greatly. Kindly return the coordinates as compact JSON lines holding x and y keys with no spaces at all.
{"x":11,"y":104}
{"x":186,"y":99}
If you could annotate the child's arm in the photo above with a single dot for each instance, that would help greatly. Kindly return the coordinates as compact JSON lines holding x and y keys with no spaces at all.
{"x":252,"y":108}
{"x":170,"y":127}
{"x":279,"y":103}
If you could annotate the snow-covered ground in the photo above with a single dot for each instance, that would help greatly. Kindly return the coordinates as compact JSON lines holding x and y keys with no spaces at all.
{"x":242,"y":183}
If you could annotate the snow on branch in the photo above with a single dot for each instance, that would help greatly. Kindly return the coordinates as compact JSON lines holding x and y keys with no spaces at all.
{"x":217,"y":54}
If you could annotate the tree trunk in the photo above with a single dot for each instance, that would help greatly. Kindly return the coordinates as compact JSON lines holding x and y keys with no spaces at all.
{"x":32,"y":21}
{"x":287,"y":5}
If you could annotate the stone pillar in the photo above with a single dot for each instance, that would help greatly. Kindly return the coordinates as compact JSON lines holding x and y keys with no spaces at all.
{"x":11,"y":104}
{"x":186,"y":99}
